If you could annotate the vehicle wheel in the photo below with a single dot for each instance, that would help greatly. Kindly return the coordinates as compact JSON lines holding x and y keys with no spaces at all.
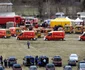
{"x":63,"y":39}
{"x":5,"y":37}
{"x":18,"y":39}
{"x":15,"y":35}
{"x":46,"y":39}
{"x":34,"y":39}
{"x":70,"y":32}
{"x":80,"y":39}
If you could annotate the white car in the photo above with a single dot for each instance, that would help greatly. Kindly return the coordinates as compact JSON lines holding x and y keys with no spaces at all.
{"x":73,"y":57}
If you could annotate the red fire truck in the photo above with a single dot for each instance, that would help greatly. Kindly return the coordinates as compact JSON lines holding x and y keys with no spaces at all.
{"x":17,"y":19}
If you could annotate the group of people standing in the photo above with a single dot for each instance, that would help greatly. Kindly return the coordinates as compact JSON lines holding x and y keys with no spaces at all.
{"x":4,"y":62}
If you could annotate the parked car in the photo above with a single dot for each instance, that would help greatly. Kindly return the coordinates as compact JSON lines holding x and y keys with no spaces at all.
{"x":43,"y":60}
{"x":2,"y":68}
{"x":33,"y":67}
{"x":67,"y":67}
{"x":73,"y":57}
{"x":68,"y":29}
{"x":81,"y":65}
{"x":50,"y":66}
{"x":82,"y":37}
{"x":57,"y":61}
{"x":28,"y":60}
{"x":12,"y":60}
{"x":78,"y":29}
{"x":16,"y":67}
{"x":72,"y":62}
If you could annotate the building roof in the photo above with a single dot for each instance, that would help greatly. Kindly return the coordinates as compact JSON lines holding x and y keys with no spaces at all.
{"x":4,"y":1}
{"x":7,"y":14}
{"x":6,"y":4}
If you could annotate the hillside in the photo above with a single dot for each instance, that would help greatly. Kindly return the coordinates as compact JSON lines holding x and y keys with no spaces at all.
{"x":46,"y":8}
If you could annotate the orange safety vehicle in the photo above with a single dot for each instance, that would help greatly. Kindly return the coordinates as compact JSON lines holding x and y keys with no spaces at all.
{"x":83,"y":28}
{"x":5,"y":33}
{"x":15,"y":31}
{"x":27,"y":35}
{"x":55,"y":35}
{"x":68,"y":29}
{"x":78,"y":29}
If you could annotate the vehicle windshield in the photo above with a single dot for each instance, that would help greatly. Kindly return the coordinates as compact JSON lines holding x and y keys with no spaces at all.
{"x":50,"y":66}
{"x":57,"y":58}
{"x":18,"y":30}
{"x":8,"y":32}
{"x":78,"y":28}
{"x":27,"y":22}
{"x":17,"y":66}
{"x":73,"y":56}
{"x":68,"y":68}
{"x":82,"y":65}
{"x":49,"y":34}
{"x":33,"y":68}
{"x":67,"y":28}
{"x":12,"y":59}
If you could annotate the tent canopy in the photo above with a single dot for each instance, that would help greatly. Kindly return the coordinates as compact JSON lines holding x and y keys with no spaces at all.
{"x":78,"y":20}
{"x":60,"y":21}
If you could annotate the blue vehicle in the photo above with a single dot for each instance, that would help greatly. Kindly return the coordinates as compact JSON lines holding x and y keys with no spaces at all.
{"x":16,"y":67}
{"x":2,"y":68}
{"x":50,"y":66}
{"x":12,"y":60}
{"x":43,"y":60}
{"x":28,"y":60}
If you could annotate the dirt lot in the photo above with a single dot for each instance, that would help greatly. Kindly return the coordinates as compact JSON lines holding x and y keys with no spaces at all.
{"x":13,"y":47}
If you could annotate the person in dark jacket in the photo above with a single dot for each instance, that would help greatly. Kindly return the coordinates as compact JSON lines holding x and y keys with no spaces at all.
{"x":36,"y":60}
{"x":1,"y":58}
{"x":28,"y":44}
{"x":5,"y":63}
{"x":9,"y":64}
{"x":55,"y":28}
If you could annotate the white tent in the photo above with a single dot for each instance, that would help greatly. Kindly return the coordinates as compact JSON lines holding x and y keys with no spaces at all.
{"x":72,"y":21}
{"x":78,"y":21}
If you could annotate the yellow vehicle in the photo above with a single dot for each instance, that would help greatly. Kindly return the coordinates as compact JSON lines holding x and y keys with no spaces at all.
{"x":38,"y":33}
{"x":78,"y":29}
{"x":15,"y":31}
{"x":60,"y":22}
{"x":5,"y":33}
{"x":83,"y":28}
{"x":68,"y":29}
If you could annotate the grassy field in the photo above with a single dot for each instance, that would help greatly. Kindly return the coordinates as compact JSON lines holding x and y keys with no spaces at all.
{"x":18,"y":48}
